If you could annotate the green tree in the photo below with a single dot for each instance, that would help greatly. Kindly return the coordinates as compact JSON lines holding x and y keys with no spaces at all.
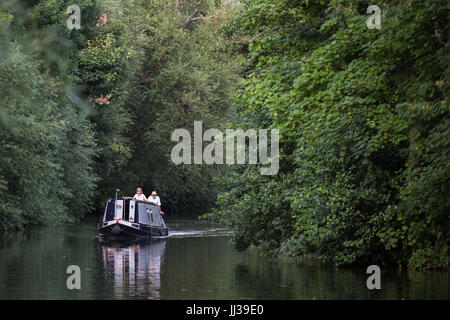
{"x":185,"y":75}
{"x":363,"y":117}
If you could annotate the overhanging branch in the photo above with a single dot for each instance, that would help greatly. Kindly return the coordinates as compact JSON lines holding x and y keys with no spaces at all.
{"x":193,"y":16}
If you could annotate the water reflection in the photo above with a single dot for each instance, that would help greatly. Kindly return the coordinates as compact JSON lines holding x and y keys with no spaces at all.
{"x":134,"y":268}
{"x":195,"y":262}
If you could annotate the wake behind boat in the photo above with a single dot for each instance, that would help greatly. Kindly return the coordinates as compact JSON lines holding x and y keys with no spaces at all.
{"x":129,"y":218}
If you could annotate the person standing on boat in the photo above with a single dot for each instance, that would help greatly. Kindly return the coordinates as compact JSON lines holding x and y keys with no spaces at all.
{"x":155,"y":199}
{"x":139,"y":195}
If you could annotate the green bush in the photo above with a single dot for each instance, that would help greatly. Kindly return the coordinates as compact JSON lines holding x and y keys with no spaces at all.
{"x":429,"y":258}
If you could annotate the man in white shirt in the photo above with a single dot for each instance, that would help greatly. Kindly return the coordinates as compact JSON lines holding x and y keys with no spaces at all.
{"x":155,"y":199}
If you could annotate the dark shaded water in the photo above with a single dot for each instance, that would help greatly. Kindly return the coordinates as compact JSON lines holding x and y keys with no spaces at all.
{"x":195,"y":262}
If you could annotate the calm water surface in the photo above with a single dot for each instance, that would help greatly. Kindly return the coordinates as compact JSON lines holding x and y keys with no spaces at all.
{"x":195,"y":262}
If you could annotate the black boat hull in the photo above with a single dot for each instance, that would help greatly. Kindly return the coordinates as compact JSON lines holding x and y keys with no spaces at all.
{"x":120,"y":231}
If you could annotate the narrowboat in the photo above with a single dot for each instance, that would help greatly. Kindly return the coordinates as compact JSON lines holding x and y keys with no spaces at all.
{"x":129,"y":218}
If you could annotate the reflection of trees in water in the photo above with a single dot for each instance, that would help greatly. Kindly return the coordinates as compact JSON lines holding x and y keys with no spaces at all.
{"x":134,"y":268}
{"x":33,"y":266}
{"x":263,"y":278}
{"x":281,"y":278}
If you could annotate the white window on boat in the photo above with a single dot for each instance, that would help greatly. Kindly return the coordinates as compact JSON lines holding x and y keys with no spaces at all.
{"x":131,"y":210}
{"x":119,"y":210}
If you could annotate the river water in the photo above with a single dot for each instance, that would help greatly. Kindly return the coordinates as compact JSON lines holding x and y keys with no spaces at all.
{"x":195,"y":262}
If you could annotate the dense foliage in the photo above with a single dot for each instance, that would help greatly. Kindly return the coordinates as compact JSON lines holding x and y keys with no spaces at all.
{"x":47,"y":147}
{"x":363,"y":116}
{"x":186,"y":75}
{"x":89,"y":110}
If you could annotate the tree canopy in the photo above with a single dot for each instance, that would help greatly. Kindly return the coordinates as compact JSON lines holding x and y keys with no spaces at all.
{"x":84,"y":111}
{"x":363,"y":117}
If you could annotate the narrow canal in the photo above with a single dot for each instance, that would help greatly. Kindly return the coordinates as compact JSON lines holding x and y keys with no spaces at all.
{"x":195,"y":262}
